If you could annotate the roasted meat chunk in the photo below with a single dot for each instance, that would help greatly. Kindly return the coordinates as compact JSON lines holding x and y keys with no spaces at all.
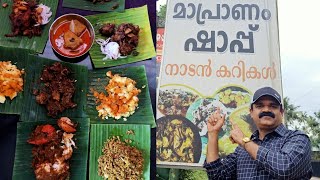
{"x":127,"y":36}
{"x":107,"y":29}
{"x":57,"y":90}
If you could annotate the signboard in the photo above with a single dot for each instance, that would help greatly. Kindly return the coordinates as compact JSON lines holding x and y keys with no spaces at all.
{"x":216,"y":54}
{"x":160,"y":40}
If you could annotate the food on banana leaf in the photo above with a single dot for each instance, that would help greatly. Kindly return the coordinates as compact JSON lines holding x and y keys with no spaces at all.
{"x":234,"y":99}
{"x":114,"y":6}
{"x":121,"y":41}
{"x":226,"y":146}
{"x":177,"y":141}
{"x":175,"y":101}
{"x":52,"y":150}
{"x":243,"y":119}
{"x":120,"y":161}
{"x":57,"y":89}
{"x":202,"y":112}
{"x":11,"y":81}
{"x":121,"y":99}
{"x":27,"y":18}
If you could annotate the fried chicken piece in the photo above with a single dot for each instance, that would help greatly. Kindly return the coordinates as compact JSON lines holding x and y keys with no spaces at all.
{"x":42,"y":134}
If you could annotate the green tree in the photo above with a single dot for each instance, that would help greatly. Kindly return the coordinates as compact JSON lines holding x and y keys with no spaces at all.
{"x":290,"y":111}
{"x":161,"y":16}
{"x":310,"y":124}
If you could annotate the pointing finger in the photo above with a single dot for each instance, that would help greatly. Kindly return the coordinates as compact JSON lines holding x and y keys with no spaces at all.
{"x":224,"y":116}
{"x":231,"y":139}
{"x":232,"y":123}
{"x":211,"y":121}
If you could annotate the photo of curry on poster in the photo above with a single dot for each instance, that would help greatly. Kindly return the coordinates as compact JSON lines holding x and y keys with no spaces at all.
{"x":215,"y":54}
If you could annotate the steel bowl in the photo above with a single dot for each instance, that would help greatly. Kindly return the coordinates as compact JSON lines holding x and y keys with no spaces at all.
{"x":56,"y":29}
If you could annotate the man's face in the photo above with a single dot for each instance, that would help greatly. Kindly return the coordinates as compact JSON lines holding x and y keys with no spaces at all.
{"x":266,"y":113}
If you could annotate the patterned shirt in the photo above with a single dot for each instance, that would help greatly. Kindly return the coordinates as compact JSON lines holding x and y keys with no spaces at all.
{"x":282,"y":154}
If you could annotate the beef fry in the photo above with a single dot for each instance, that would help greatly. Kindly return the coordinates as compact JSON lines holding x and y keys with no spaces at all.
{"x":23,"y":18}
{"x":126,"y":35}
{"x":58,"y":89}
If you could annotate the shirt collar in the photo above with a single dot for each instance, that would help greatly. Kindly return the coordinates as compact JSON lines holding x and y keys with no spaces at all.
{"x":281,"y":130}
{"x":255,"y":135}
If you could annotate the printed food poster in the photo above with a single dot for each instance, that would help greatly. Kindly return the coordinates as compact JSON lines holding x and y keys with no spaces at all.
{"x":216,"y":54}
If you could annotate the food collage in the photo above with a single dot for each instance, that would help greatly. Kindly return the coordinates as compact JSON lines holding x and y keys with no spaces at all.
{"x":182,"y":115}
{"x":77,"y":89}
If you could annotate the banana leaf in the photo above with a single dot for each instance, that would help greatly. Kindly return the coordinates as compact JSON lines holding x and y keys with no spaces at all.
{"x":99,"y":134}
{"x":98,"y":80}
{"x":19,"y":58}
{"x":23,"y":156}
{"x":35,"y":44}
{"x":113,"y":5}
{"x":32,"y":110}
{"x":137,"y":16}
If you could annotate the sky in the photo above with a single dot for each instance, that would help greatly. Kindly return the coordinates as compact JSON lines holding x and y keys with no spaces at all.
{"x":300,"y":52}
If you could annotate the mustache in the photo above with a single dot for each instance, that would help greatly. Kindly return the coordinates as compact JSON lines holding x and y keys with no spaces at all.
{"x":270,"y":114}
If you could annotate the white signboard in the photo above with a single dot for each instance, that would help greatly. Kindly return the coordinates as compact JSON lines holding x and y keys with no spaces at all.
{"x":216,"y":54}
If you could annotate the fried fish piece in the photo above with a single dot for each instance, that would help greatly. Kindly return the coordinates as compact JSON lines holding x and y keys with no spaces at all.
{"x":71,"y":40}
{"x":77,"y":27}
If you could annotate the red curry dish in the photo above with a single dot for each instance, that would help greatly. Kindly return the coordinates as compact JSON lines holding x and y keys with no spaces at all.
{"x":71,"y":36}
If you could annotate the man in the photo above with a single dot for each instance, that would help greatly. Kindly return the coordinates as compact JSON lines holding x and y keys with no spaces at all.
{"x":272,"y":152}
